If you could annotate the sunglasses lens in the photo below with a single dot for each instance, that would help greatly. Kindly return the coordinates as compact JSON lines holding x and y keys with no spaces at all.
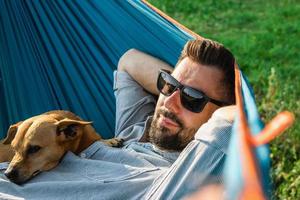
{"x":193,"y":100}
{"x":165,"y":84}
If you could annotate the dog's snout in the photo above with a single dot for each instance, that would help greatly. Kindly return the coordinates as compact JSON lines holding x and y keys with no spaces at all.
{"x":12,"y":174}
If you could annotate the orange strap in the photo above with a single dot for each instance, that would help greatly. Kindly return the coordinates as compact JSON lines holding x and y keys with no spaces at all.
{"x":274,"y":128}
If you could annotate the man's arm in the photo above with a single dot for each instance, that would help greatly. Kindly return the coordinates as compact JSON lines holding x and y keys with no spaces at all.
{"x":143,"y":68}
{"x":133,"y":83}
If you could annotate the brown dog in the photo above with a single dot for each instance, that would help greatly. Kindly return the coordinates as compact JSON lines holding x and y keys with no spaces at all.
{"x":38,"y":143}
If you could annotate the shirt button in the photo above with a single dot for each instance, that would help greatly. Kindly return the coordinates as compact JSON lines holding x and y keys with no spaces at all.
{"x":83,"y":155}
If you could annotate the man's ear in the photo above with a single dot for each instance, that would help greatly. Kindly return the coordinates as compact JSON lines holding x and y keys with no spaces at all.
{"x":69,"y":127}
{"x":11,"y":133}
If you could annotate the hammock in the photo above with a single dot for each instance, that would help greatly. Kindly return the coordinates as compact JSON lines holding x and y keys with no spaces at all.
{"x":61,"y":55}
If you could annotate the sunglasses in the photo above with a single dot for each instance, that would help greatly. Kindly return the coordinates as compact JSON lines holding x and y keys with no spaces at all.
{"x":191,"y":99}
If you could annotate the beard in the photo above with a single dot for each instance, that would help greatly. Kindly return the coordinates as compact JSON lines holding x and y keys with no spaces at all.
{"x":164,"y":138}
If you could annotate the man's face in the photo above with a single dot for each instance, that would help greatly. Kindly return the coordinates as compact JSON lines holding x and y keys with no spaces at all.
{"x":173,"y":126}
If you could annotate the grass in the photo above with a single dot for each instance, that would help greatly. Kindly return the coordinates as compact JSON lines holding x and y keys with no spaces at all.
{"x":264,"y":37}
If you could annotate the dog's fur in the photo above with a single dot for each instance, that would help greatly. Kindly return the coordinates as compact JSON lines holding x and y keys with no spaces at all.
{"x":38,"y":143}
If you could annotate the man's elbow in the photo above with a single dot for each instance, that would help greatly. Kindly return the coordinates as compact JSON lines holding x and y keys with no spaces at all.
{"x":127,"y":59}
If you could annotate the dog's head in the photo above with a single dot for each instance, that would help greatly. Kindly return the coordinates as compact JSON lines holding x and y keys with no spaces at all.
{"x":39,"y":144}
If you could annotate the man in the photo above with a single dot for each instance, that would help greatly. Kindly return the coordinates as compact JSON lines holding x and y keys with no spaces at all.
{"x":206,"y":68}
{"x":149,"y":165}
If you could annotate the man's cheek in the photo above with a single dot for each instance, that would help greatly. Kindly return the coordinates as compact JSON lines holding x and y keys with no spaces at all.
{"x":160,"y":101}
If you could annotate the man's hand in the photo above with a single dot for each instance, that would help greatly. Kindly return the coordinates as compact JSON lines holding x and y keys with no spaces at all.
{"x":143,"y":68}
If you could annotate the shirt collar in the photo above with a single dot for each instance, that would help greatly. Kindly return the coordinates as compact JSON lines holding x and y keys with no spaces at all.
{"x":145,"y":136}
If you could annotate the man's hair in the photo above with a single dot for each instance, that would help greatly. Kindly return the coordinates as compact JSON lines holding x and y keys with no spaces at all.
{"x":211,"y":53}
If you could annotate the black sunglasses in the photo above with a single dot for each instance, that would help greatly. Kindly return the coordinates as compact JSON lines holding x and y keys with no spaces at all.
{"x":192,"y":99}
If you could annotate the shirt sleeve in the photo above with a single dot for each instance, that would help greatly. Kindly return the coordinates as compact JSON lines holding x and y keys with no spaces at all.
{"x":133,"y":106}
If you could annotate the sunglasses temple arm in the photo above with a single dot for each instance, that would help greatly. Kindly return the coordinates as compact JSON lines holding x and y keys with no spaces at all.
{"x":219,"y":103}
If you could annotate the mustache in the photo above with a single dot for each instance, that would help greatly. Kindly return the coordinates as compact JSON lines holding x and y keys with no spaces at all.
{"x":170,"y":115}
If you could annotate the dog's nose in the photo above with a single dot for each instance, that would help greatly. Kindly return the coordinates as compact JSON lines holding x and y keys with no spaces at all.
{"x":12,"y":174}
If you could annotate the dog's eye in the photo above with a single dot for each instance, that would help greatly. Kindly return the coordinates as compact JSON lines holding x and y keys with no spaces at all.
{"x":33,"y":149}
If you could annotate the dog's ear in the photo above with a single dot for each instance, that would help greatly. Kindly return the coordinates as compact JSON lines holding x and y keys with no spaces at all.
{"x":69,"y":127}
{"x":10,"y":135}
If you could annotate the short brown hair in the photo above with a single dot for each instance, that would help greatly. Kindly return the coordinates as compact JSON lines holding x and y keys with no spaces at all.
{"x":211,"y":53}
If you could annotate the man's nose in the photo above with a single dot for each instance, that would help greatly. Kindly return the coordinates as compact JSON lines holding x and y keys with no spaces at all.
{"x":172,"y":102}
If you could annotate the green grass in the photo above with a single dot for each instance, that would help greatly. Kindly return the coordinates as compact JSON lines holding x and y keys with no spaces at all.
{"x":265,"y":38}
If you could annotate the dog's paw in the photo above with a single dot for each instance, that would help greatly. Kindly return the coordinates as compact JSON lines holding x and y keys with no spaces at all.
{"x":114,"y":142}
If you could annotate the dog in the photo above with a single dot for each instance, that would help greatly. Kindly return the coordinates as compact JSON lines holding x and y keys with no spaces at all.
{"x":39,"y":143}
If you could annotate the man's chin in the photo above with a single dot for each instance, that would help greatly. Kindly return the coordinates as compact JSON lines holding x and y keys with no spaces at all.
{"x":165,"y":139}
{"x":168,"y":140}
{"x":164,"y":133}
{"x":169,"y":131}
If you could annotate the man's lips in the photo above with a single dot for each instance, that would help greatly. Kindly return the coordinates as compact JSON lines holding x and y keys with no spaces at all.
{"x":167,"y":122}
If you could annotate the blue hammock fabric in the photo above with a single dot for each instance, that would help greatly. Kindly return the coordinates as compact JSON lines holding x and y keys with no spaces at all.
{"x":61,"y":55}
{"x":234,"y":166}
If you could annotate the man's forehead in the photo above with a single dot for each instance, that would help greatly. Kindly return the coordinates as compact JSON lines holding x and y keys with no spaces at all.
{"x":202,"y":77}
